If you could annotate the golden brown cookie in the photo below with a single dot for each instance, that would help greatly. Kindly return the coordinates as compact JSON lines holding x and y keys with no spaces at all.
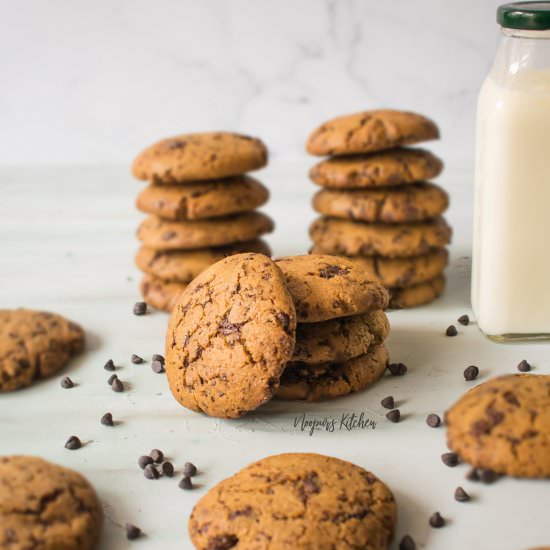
{"x":160,"y":294}
{"x":393,"y":167}
{"x":297,"y":500}
{"x":202,"y":156}
{"x":401,"y":272}
{"x":197,"y":201}
{"x":184,"y":265}
{"x":230,"y":336}
{"x":413,"y":203}
{"x":325,"y":287}
{"x":302,"y":381}
{"x":370,"y":131}
{"x":339,"y":339}
{"x":34,"y":345}
{"x":189,"y":235}
{"x":337,"y":236}
{"x":46,"y":507}
{"x":503,"y":425}
{"x":417,"y":295}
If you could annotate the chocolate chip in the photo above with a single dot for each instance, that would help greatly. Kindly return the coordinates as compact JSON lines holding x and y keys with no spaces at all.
{"x":450,"y":459}
{"x":397,"y":369}
{"x":73,"y":443}
{"x":524,"y":366}
{"x":158,"y":357}
{"x":107,"y":419}
{"x":133,"y":532}
{"x":487,"y":476}
{"x":185,"y":483}
{"x":407,"y":543}
{"x":189,"y":469}
{"x":167,"y":469}
{"x":473,"y":474}
{"x":388,"y":402}
{"x":471,"y":373}
{"x":144,"y":460}
{"x":451,"y":331}
{"x":136,"y":359}
{"x":150,"y":472}
{"x":464,"y":320}
{"x":433,"y":420}
{"x":157,"y":456}
{"x":436,"y":520}
{"x":111,"y":379}
{"x":461,"y":495}
{"x":157,"y":367}
{"x":109,"y":365}
{"x":117,"y":385}
{"x":140,"y":308}
{"x":394,"y":416}
{"x":67,"y":383}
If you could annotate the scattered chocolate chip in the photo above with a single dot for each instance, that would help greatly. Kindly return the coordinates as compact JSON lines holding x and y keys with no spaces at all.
{"x":185,"y":483}
{"x":136,"y":359}
{"x":487,"y":476}
{"x":464,"y":320}
{"x":158,"y":357}
{"x":107,"y":419}
{"x":397,"y":369}
{"x":436,"y":520}
{"x":461,"y":495}
{"x":73,"y":443}
{"x":524,"y":366}
{"x":157,"y":367}
{"x":117,"y":385}
{"x":111,"y":379}
{"x":109,"y":365}
{"x":140,"y":308}
{"x":388,"y":402}
{"x":150,"y":472}
{"x":67,"y":383}
{"x":133,"y":532}
{"x":433,"y":420}
{"x":157,"y":456}
{"x":473,"y":474}
{"x":189,"y":469}
{"x":407,"y":543}
{"x":144,"y":460}
{"x":451,"y":331}
{"x":394,"y":416}
{"x":167,"y":469}
{"x":471,"y":373}
{"x":450,"y":459}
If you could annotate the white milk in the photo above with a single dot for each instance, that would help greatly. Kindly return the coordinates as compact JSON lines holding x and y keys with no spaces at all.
{"x":511,"y":258}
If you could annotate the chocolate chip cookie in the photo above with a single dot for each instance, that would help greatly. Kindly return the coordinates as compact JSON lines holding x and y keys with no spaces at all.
{"x":202,"y":156}
{"x":45,"y":506}
{"x":370,"y":131}
{"x":160,"y":294}
{"x":337,"y":236}
{"x":393,"y":167}
{"x":230,"y":336}
{"x":325,"y":287}
{"x":197,"y":201}
{"x":184,"y":265}
{"x":417,"y":295}
{"x":503,"y":425}
{"x":297,"y":500}
{"x":412,"y":203}
{"x":333,"y":379}
{"x":34,"y":345}
{"x":188,"y":235}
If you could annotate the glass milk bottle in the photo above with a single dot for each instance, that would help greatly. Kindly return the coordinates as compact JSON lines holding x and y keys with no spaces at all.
{"x":511,"y":256}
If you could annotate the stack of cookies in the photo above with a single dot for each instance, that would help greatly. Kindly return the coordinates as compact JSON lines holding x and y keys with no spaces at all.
{"x":202,"y":208}
{"x":376,"y":205}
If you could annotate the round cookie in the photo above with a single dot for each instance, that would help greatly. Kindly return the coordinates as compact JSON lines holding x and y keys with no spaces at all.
{"x":45,"y":506}
{"x":503,"y":425}
{"x":301,"y":381}
{"x":325,"y":287}
{"x":401,"y":272}
{"x":201,"y":156}
{"x":230,"y":336}
{"x":393,"y":167}
{"x":198,"y":201}
{"x":417,"y":295}
{"x":296,"y":500}
{"x":339,"y":339}
{"x":160,"y":294}
{"x":34,"y":345}
{"x":370,"y":131}
{"x":188,"y":235}
{"x":413,"y":203}
{"x":184,"y":265}
{"x":403,"y":240}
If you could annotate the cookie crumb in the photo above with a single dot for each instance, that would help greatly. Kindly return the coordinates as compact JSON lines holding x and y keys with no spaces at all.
{"x":394,"y":416}
{"x":109,"y":365}
{"x":524,"y":366}
{"x":436,"y":520}
{"x":73,"y":443}
{"x":185,"y":483}
{"x":471,"y":373}
{"x":450,"y":459}
{"x":461,"y":495}
{"x":133,"y":532}
{"x":140,"y":308}
{"x":189,"y":469}
{"x":107,"y":419}
{"x":451,"y":331}
{"x":433,"y":420}
{"x":407,"y":543}
{"x":464,"y":320}
{"x":388,"y":402}
{"x":136,"y":359}
{"x":67,"y":383}
{"x":397,"y":369}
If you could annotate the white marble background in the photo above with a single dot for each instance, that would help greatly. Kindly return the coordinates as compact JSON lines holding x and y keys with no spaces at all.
{"x":94,"y":81}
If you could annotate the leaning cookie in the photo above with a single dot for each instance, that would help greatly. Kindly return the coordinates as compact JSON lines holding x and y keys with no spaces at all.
{"x":161,"y":295}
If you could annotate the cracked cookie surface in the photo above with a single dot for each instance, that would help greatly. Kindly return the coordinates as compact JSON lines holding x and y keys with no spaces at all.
{"x":325,"y":287}
{"x":418,"y":294}
{"x":230,"y":336}
{"x":35,"y":345}
{"x":200,"y":156}
{"x":370,"y":131}
{"x":504,"y":425}
{"x":160,"y":294}
{"x":296,"y":500}
{"x":45,"y":507}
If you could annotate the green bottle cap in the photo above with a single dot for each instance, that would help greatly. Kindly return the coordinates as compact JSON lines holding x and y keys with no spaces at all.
{"x":529,"y":16}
